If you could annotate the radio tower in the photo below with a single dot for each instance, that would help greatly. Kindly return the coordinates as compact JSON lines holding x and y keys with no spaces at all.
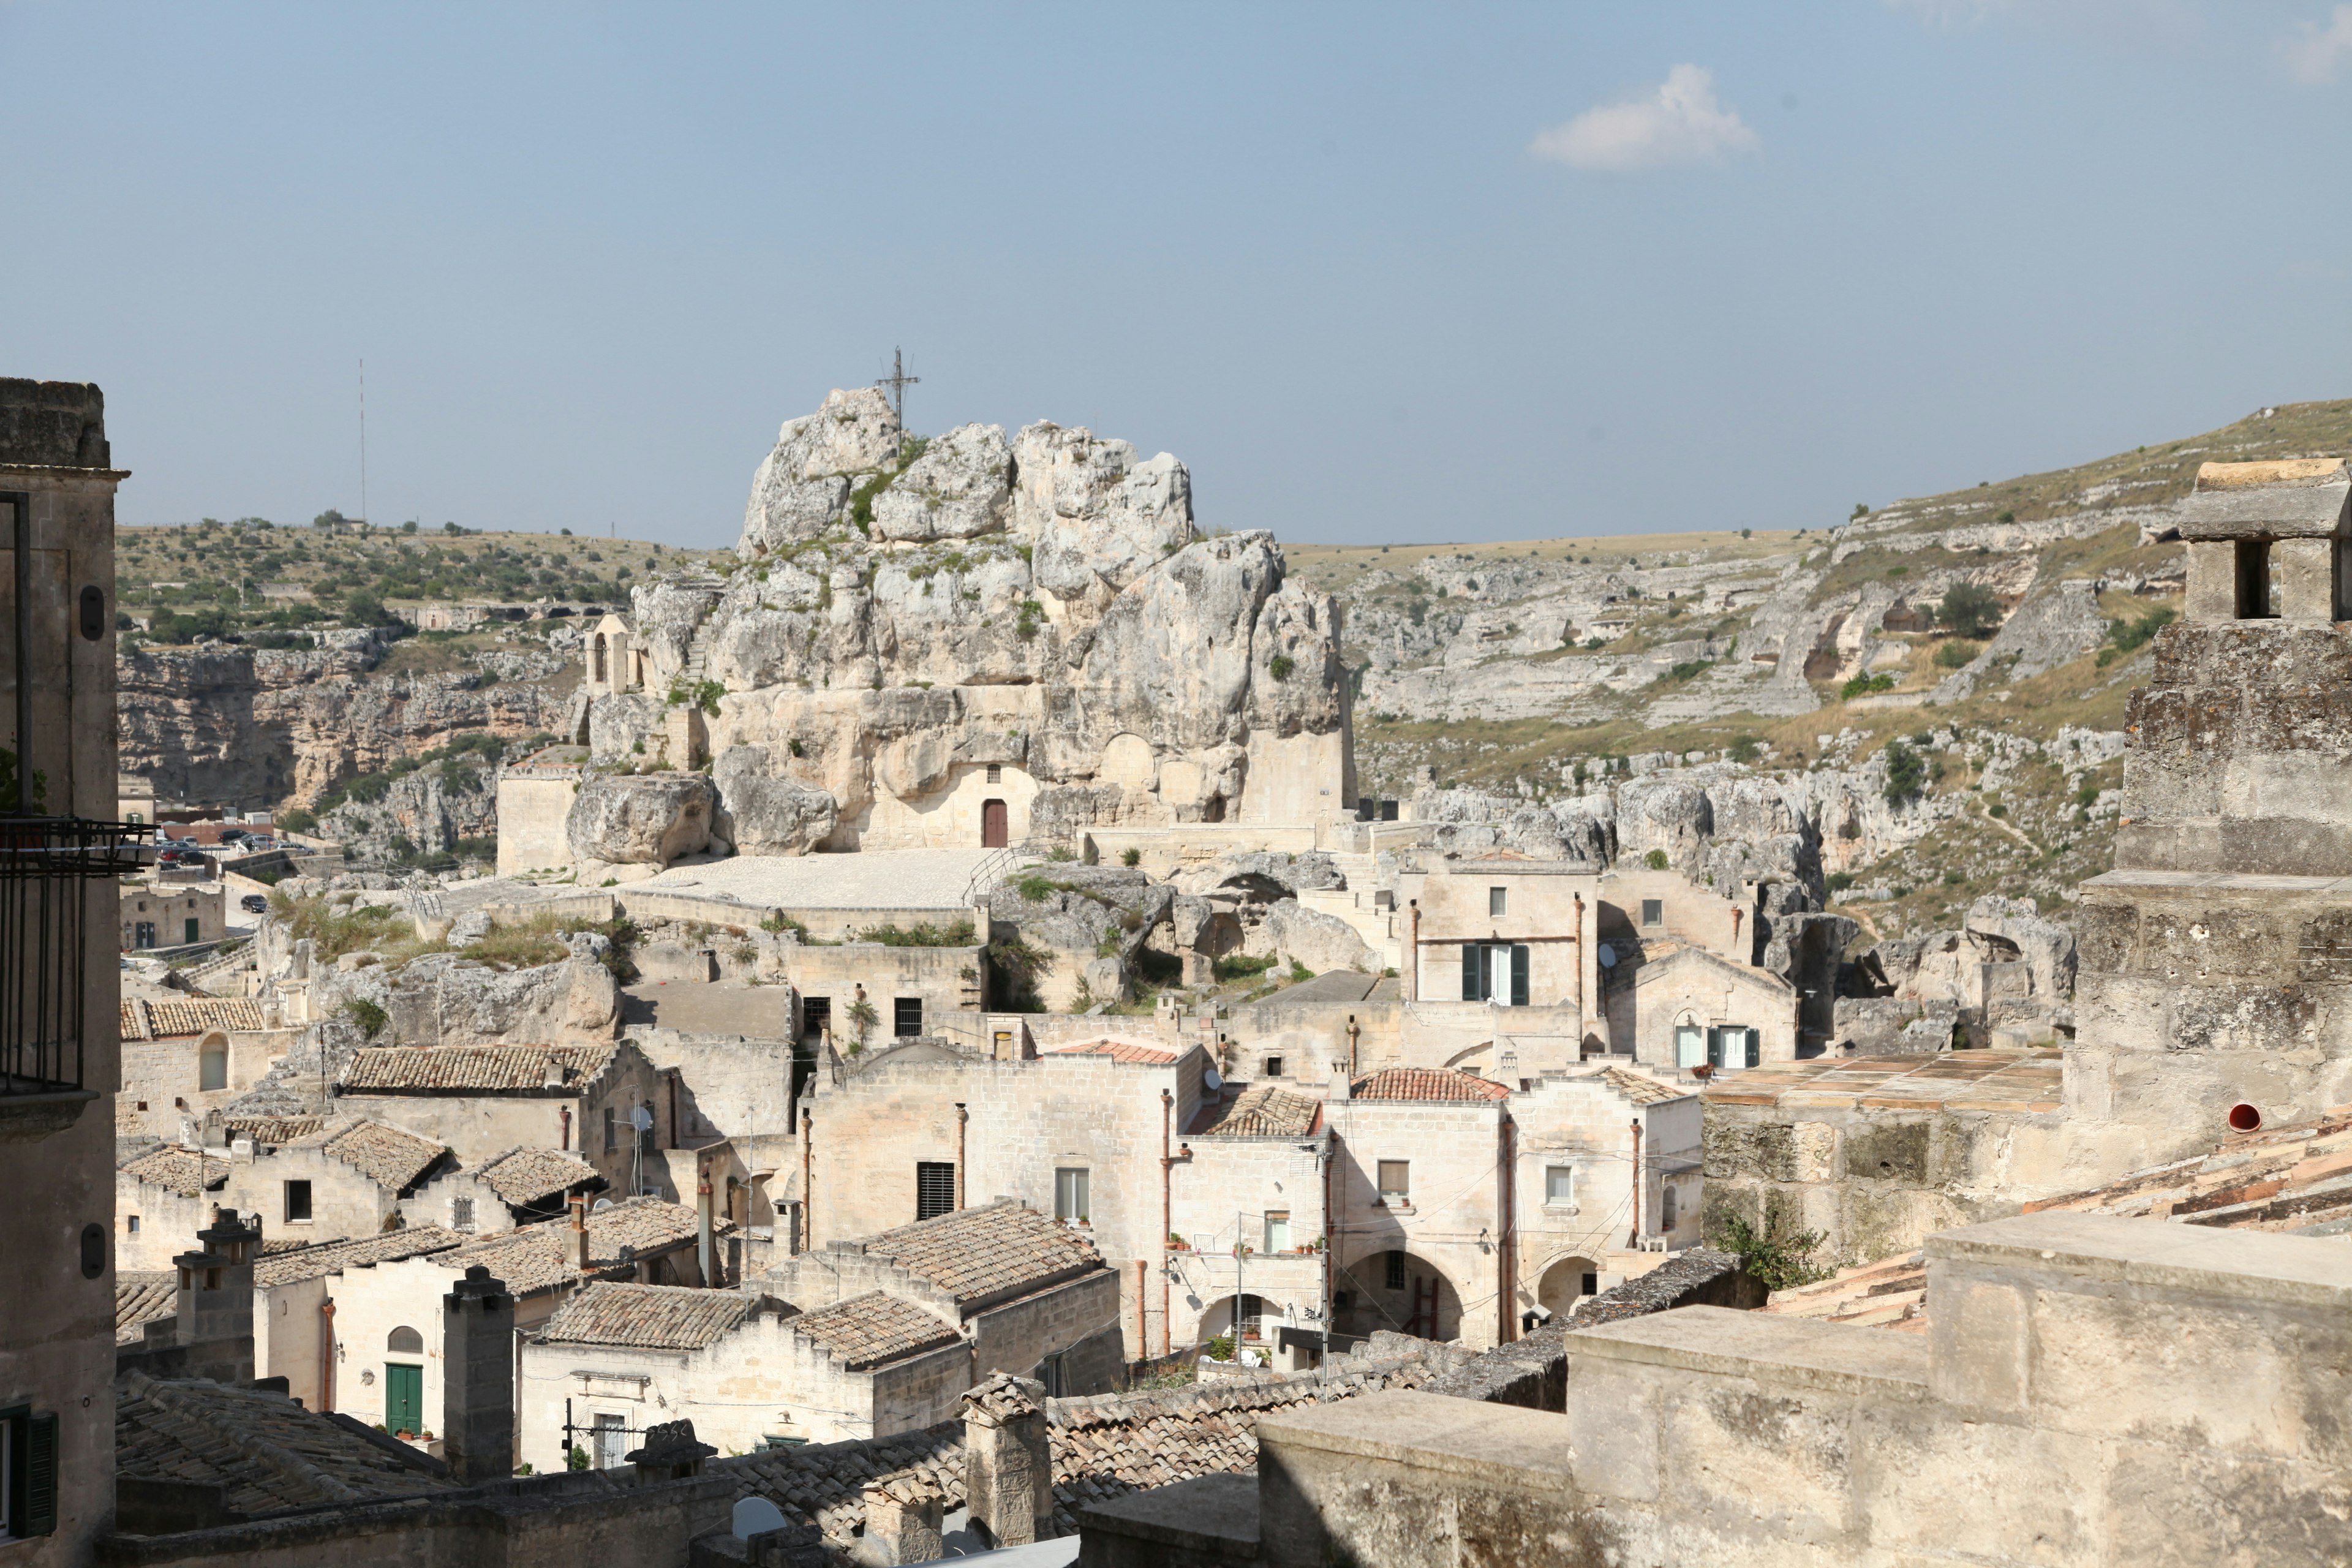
{"x":897,"y":380}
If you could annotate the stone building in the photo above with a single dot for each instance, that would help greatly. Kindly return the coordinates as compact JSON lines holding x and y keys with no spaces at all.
{"x":160,"y":914}
{"x":185,"y":1059}
{"x":59,"y":1062}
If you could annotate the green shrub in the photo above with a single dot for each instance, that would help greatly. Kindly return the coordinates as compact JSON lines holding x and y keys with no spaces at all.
{"x":1240,"y":967}
{"x":1956,"y":654}
{"x":1778,"y":1259}
{"x":1969,"y":610}
{"x":370,"y":1018}
{"x":1746,"y":749}
{"x":1035,"y":889}
{"x":297,"y":820}
{"x":1299,"y":971}
{"x":1688,"y":670}
{"x":959,"y":934}
{"x":1656,"y":860}
{"x":1906,"y":773}
{"x":1953,"y":878}
{"x":1862,"y":684}
{"x":1280,"y":665}
{"x":1131,"y":856}
{"x":1839,"y":881}
{"x":1997,"y":809}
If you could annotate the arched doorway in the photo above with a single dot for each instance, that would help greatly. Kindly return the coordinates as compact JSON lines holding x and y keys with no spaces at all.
{"x":995,"y":825}
{"x":1398,"y":1291}
{"x":596,"y":674}
{"x":212,"y":1061}
{"x":1565,"y":1283}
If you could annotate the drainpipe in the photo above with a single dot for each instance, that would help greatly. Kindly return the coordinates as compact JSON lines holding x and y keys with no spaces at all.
{"x":1505,"y":1191}
{"x":1579,"y":975}
{"x":808,"y":1182}
{"x":326,"y":1355}
{"x":705,"y":1252}
{"x":1636,"y":1242}
{"x":1355,"y":1030}
{"x":1736,"y":912}
{"x":672,"y":1075}
{"x":1142,"y":1324}
{"x":566,"y":1113}
{"x":1331,"y":1230}
{"x":1167,"y":1212}
{"x":963,"y":1120}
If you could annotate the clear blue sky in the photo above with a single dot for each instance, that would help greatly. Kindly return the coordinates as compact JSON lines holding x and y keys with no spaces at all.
{"x":1376,"y":273}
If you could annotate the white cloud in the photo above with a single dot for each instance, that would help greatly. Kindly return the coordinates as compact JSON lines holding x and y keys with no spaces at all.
{"x":1682,"y":123}
{"x":2317,"y":56}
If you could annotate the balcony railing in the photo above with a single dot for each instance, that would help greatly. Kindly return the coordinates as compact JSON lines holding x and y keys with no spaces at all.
{"x":47,"y":867}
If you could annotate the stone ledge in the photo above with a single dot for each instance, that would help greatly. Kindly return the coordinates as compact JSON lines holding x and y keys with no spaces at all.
{"x":1213,"y":1516}
{"x":2248,"y":1265}
{"x":2218,"y":882}
{"x":1792,"y":1353}
{"x":1492,"y":1446}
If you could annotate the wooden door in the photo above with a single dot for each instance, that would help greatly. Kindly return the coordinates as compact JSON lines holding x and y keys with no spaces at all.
{"x":404,"y":1397}
{"x":995,"y":827}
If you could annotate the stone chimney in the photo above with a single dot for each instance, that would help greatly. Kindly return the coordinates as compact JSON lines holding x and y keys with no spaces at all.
{"x":477,"y":1413}
{"x":1008,"y":1461}
{"x":671,"y":1452}
{"x":215,"y":1325}
{"x":904,"y":1514}
{"x":580,"y":1232}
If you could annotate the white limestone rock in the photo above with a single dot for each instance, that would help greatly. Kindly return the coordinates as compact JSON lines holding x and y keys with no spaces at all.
{"x":1099,"y":518}
{"x":801,"y":486}
{"x":958,"y":488}
{"x":630,"y":820}
{"x":763,"y":810}
{"x":1320,"y":941}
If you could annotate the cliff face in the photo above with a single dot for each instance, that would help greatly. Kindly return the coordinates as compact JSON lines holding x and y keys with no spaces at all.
{"x":219,"y":721}
{"x":906,"y":615}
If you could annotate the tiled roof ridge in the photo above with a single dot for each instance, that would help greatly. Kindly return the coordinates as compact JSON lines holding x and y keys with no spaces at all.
{"x":259,"y":1450}
{"x":1427,"y":1085}
{"x":491,"y":1170}
{"x":325,"y":1257}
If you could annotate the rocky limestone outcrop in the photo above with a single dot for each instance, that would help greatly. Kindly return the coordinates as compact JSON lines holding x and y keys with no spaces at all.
{"x":1319,"y":941}
{"x":1089,"y":922}
{"x":2049,"y":629}
{"x":221,"y":722}
{"x":1043,"y":604}
{"x":640,"y":820}
{"x":426,"y":814}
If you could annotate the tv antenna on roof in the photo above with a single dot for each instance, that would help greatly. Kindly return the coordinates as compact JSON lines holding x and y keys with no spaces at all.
{"x":897,"y":380}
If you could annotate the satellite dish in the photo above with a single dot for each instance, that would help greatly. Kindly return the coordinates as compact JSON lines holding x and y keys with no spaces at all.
{"x":1212,"y":1082}
{"x":602,"y":1205}
{"x":756,"y":1516}
{"x":641,"y":1119}
{"x":1607,"y":955}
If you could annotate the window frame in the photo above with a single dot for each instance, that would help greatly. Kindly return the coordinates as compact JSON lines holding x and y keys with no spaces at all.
{"x":1393,"y":1275}
{"x":292,"y":1187}
{"x":1654,"y":913}
{"x":900,"y":1007}
{"x":1273,"y":1066}
{"x":1078,"y":1182}
{"x":1555,"y":1178}
{"x":1274,"y":1217}
{"x":1399,"y":1195}
{"x":931,"y":1204}
{"x":29,"y":1459}
{"x":1498,"y":902}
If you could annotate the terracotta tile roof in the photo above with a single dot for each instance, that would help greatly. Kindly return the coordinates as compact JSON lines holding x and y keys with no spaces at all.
{"x":1640,"y":1087}
{"x":272,"y":1128}
{"x":390,"y":1156}
{"x":170,"y":1020}
{"x":267,"y":1453}
{"x":652,"y":1317}
{"x":538,"y":1257}
{"x":1260,"y":1111}
{"x":2295,"y":1179}
{"x":526,"y":1175}
{"x":481,"y":1070}
{"x":2016,"y":1081}
{"x":1117,"y":1051}
{"x":186,"y":1172}
{"x":140,"y":1297}
{"x":1103,"y":1447}
{"x":334,"y":1257}
{"x":1447,"y":1085}
{"x":874,"y":1329}
{"x":134,"y":1020}
{"x":998,"y":1248}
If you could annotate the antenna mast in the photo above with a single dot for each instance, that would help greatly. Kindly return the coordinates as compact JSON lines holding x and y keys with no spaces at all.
{"x":363,"y":496}
{"x":897,"y":380}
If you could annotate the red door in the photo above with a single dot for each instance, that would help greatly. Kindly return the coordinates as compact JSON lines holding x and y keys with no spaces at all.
{"x":994,"y":834}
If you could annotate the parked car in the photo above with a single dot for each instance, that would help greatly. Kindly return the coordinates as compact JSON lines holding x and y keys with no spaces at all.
{"x":254,"y":904}
{"x":233,"y":836}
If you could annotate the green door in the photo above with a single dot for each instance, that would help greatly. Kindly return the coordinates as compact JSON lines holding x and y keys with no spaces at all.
{"x":193,"y":925}
{"x":404,"y":1397}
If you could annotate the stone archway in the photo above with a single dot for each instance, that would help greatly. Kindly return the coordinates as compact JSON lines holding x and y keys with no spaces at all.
{"x":1397,"y":1290}
{"x":1564,"y":1284}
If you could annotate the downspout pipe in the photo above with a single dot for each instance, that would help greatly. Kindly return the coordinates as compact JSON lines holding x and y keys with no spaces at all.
{"x":1166,"y":1210}
{"x":808,"y":1182}
{"x":706,"y":1252}
{"x":963,"y":1120}
{"x":1635,"y":1243}
{"x":1507,"y":1194}
{"x":326,"y":1355}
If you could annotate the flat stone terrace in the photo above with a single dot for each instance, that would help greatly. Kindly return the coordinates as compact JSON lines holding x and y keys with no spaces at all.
{"x":2023,"y":1081}
{"x":871,"y":879}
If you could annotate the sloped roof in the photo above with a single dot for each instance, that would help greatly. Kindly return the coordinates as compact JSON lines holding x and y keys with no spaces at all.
{"x":1103,"y":1445}
{"x":333,"y":1257}
{"x":478,"y":1069}
{"x":526,"y":1175}
{"x":134,"y":1020}
{"x":1663,"y":955}
{"x":143,"y":1297}
{"x":390,"y":1156}
{"x":538,"y":1257}
{"x":1640,"y":1087}
{"x":977,"y":1253}
{"x":2018,"y":1081}
{"x":1260,"y":1110}
{"x":875,"y":1329}
{"x":652,"y":1317}
{"x":267,"y":1453}
{"x":187,"y":1172}
{"x":272,"y":1128}
{"x":1429,"y":1085}
{"x":1117,"y":1051}
{"x":2293,"y":1180}
{"x":197,"y":1016}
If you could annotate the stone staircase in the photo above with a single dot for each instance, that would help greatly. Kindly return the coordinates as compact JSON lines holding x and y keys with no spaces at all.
{"x":1353,"y":904}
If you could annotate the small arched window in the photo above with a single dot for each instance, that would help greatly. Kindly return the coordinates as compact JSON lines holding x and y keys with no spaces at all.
{"x":405,"y":1340}
{"x":596,"y":671}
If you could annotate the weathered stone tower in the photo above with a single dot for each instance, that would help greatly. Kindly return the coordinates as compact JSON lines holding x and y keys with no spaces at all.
{"x":2216,"y":959}
{"x":478,"y":1409}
